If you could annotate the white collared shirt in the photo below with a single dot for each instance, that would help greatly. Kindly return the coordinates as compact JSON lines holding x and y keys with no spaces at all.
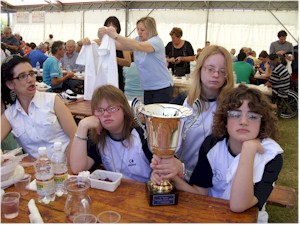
{"x":40,"y":127}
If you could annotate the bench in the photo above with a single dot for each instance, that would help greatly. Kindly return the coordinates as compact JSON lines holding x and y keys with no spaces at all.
{"x":283,"y":197}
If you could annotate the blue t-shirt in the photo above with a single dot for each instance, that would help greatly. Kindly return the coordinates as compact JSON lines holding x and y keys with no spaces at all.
{"x":262,"y":66}
{"x":37,"y":56}
{"x":152,"y":68}
{"x":51,"y":69}
{"x":132,"y":81}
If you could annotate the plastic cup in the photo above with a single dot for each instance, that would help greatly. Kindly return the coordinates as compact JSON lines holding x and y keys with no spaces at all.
{"x":85,"y":218}
{"x":21,"y":185}
{"x":108,"y":217}
{"x":10,"y":204}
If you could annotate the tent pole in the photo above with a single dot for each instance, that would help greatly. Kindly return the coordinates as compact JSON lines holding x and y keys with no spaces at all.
{"x":82,"y":25}
{"x":8,"y":19}
{"x":126,"y":20}
{"x":282,"y":25}
{"x":146,"y":16}
{"x":206,"y":24}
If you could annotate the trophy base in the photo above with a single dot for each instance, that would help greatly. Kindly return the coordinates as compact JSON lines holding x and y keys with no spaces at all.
{"x":161,"y":199}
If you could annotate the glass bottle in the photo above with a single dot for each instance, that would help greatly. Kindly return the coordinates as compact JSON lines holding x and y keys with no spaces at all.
{"x":78,"y":201}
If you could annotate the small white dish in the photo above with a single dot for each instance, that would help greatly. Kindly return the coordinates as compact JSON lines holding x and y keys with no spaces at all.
{"x":41,"y":86}
{"x":98,"y":177}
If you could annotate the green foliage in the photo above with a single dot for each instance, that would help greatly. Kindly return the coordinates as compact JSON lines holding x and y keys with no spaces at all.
{"x":289,"y":174}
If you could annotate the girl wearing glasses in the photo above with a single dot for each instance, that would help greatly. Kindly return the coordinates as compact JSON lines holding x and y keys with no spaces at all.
{"x":35,"y":118}
{"x":240,"y":160}
{"x":120,"y":145}
{"x":212,"y":78}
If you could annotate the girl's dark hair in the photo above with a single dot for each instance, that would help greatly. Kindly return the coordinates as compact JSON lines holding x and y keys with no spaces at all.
{"x":116,"y":96}
{"x":7,"y":74}
{"x":258,"y":103}
{"x":114,"y":21}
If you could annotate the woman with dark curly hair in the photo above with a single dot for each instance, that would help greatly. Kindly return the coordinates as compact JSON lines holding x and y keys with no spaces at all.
{"x":240,"y":161}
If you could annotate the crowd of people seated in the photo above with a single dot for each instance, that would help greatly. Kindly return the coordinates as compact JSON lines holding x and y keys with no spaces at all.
{"x":215,"y":142}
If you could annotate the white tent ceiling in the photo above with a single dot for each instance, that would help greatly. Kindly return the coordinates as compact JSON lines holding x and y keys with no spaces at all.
{"x":232,"y":24}
{"x":76,"y":5}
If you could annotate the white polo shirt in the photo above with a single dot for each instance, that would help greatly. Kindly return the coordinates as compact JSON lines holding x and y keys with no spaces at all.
{"x":131,"y":161}
{"x":40,"y":127}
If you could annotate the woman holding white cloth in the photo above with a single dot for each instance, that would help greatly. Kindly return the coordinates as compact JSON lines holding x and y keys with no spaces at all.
{"x":149,"y":55}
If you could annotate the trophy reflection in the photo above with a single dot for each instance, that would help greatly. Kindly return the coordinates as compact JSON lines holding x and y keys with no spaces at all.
{"x":164,"y":126}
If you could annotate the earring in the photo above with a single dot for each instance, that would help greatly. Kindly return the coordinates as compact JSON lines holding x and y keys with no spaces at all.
{"x":12,"y":95}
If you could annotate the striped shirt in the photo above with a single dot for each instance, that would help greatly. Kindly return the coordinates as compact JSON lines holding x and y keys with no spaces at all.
{"x":280,"y":80}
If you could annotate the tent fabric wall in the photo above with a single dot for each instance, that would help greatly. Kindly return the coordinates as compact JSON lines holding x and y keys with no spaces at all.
{"x":229,"y":28}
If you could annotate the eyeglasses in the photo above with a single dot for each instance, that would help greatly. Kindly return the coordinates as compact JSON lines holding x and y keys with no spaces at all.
{"x":24,"y":76}
{"x":109,"y":109}
{"x":211,"y":70}
{"x":252,"y":116}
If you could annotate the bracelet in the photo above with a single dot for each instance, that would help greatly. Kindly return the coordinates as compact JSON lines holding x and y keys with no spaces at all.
{"x":81,"y":138}
{"x":183,"y":170}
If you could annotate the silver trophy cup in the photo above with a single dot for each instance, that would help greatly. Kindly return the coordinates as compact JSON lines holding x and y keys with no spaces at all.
{"x":164,"y":130}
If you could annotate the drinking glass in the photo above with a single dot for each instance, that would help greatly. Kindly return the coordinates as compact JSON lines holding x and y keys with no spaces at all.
{"x":85,"y":218}
{"x":108,"y":217}
{"x":10,"y":204}
{"x":21,"y":185}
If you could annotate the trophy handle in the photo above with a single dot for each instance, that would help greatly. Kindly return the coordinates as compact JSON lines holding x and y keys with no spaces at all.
{"x":134,"y":109}
{"x":197,"y":106}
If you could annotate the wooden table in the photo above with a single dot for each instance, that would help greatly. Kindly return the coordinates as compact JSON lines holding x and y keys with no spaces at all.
{"x":131,"y":202}
{"x":180,"y":85}
{"x":80,"y":108}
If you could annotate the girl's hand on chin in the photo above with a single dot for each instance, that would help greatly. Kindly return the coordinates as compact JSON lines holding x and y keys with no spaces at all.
{"x":254,"y":144}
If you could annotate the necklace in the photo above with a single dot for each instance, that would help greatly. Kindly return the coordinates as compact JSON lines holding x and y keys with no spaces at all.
{"x":112,"y":156}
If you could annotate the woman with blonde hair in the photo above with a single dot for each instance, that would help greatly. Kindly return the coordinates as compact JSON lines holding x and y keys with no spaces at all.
{"x":212,"y":78}
{"x":149,"y":56}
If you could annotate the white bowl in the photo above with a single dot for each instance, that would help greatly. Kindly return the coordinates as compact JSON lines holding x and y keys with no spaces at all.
{"x":98,"y":176}
{"x":8,"y":169}
{"x":17,"y":175}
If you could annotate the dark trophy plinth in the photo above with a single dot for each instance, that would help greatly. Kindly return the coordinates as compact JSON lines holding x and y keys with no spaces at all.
{"x":157,"y":198}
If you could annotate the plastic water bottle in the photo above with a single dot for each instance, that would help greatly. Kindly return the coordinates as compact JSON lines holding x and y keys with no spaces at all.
{"x":38,"y":66}
{"x":234,"y":77}
{"x":68,"y":68}
{"x":44,"y":177}
{"x":60,"y":170}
